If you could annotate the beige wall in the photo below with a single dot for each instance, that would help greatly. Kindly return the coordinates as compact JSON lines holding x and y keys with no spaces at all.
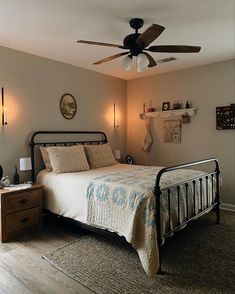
{"x":33,"y":87}
{"x":206,"y":87}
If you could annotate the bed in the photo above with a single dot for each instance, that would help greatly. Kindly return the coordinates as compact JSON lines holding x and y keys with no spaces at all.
{"x":152,"y":203}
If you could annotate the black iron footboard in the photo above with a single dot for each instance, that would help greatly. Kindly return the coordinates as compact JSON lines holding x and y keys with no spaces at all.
{"x":205,"y":204}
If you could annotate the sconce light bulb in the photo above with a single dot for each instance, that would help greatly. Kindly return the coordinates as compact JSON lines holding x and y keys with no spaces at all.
{"x":5,"y":115}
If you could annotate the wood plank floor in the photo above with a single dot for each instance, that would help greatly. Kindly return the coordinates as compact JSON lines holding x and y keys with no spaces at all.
{"x":22,"y":269}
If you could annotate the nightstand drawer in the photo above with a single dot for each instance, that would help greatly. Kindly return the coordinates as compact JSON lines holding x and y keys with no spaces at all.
{"x":23,"y":200}
{"x":22,"y":220}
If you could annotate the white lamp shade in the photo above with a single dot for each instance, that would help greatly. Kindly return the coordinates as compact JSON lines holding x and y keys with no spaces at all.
{"x":142,"y":62}
{"x":25,"y":163}
{"x":117,"y":154}
{"x":127,"y":62}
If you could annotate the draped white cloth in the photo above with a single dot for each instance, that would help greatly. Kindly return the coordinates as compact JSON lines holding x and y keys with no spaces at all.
{"x":148,"y":139}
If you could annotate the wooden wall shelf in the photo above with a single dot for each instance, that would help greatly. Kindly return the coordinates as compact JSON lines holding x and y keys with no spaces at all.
{"x":169,"y":113}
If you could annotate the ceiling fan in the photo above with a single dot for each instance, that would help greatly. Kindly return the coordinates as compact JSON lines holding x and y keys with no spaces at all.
{"x":137,"y":45}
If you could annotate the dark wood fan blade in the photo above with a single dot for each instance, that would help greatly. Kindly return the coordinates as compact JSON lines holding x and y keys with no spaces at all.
{"x":151,"y":34}
{"x":110,"y":58}
{"x":152,"y":62}
{"x":100,"y":44}
{"x":174,"y":48}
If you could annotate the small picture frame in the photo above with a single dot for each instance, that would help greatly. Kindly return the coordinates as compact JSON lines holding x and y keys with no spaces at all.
{"x":129,"y":159}
{"x":68,"y":106}
{"x":166,"y":106}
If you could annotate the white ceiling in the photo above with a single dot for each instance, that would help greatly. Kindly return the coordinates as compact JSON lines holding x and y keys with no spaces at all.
{"x":50,"y":28}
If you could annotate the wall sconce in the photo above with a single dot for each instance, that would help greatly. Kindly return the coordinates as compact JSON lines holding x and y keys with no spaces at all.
{"x":4,"y":110}
{"x":115,"y":117}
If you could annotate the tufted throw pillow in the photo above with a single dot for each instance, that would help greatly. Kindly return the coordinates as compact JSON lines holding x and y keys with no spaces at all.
{"x":100,"y":155}
{"x":46,"y":159}
{"x":68,"y":159}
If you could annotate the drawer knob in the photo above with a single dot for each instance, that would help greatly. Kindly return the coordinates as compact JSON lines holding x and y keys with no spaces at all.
{"x":24,"y":220}
{"x":23,"y":201}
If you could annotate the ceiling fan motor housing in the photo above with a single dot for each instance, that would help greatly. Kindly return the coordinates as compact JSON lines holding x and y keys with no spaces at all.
{"x":129,"y":42}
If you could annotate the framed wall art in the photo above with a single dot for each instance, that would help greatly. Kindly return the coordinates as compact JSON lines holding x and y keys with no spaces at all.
{"x":225,"y":117}
{"x":68,"y":106}
{"x":172,"y":131}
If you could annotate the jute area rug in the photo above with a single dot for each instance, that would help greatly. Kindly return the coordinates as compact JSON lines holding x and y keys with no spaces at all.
{"x":199,"y":259}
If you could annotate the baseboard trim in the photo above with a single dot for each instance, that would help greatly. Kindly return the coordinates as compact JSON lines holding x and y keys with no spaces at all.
{"x":226,"y":206}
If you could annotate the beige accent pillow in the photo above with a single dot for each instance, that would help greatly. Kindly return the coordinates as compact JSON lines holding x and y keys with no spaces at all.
{"x":99,"y":155}
{"x":45,"y":157}
{"x":68,"y":159}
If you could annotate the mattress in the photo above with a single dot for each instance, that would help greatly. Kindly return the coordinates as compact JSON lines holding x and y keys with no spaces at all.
{"x":65,"y":193}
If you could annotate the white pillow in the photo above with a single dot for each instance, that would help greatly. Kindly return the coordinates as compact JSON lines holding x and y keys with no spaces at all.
{"x":100,"y":155}
{"x":45,"y":157}
{"x":68,"y":159}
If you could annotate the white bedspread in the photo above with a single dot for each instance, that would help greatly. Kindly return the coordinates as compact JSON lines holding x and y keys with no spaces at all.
{"x":65,"y":194}
{"x":120,"y":198}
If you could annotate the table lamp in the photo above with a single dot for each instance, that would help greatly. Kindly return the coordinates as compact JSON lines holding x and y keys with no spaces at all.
{"x":25,"y":164}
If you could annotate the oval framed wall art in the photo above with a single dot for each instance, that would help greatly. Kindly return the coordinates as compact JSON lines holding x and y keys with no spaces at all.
{"x":68,"y":106}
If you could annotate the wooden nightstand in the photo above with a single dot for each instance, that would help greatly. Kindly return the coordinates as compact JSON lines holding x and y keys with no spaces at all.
{"x":20,"y":211}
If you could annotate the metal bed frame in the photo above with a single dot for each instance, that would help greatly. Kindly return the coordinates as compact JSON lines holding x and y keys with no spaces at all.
{"x":157,"y":191}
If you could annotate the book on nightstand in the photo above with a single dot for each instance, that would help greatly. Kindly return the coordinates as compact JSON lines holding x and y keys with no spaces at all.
{"x":18,"y":187}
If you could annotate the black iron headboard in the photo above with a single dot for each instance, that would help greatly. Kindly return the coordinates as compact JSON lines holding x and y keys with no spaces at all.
{"x":85,"y":137}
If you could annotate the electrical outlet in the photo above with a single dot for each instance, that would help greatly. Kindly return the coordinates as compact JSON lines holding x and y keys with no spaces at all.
{"x":220,"y":182}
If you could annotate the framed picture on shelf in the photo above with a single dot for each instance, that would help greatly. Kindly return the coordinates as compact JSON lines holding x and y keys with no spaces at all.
{"x":129,"y":159}
{"x":166,"y":106}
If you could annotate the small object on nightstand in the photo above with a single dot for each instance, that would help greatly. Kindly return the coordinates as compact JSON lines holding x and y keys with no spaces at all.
{"x":20,"y":212}
{"x":5,"y":181}
{"x":16,"y":177}
{"x":18,"y":187}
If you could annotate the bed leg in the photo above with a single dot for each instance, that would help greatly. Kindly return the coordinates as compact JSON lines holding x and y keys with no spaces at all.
{"x":160,"y":260}
{"x":217,"y":211}
{"x":217,"y":208}
{"x":160,"y":271}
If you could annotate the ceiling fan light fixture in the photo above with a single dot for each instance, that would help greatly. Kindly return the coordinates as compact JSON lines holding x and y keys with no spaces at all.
{"x":142,"y":62}
{"x":127,"y":62}
{"x":137,"y":44}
